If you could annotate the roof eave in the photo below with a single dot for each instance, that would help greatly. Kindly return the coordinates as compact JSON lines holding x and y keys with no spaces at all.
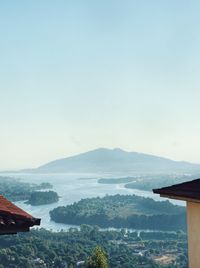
{"x":176,"y":197}
{"x":36,"y":221}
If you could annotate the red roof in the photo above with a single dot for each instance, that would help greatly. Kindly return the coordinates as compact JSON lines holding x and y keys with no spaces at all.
{"x":10,"y":208}
{"x":13,"y":219}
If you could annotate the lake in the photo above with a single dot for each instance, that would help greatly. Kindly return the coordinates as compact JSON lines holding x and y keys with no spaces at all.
{"x":72,"y":188}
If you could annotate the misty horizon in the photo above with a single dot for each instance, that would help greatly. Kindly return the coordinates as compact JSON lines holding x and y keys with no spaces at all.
{"x":116,"y":149}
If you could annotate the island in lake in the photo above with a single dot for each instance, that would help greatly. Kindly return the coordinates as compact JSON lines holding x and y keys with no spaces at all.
{"x":16,"y":190}
{"x":122,"y":211}
{"x":42,"y":198}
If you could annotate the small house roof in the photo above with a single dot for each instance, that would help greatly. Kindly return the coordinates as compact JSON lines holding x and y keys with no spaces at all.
{"x":188,"y":191}
{"x":13,"y":219}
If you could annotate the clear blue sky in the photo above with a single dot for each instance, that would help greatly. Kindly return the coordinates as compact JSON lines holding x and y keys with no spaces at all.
{"x":77,"y":75}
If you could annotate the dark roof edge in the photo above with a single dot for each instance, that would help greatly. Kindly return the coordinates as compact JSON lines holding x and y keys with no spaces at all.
{"x":156,"y":191}
{"x":186,"y":191}
{"x":36,"y":221}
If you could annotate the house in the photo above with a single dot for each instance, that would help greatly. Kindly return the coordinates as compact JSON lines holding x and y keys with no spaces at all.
{"x":13,"y":219}
{"x":189,"y":192}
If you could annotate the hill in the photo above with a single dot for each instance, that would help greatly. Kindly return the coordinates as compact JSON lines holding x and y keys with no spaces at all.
{"x":122,"y":211}
{"x":38,"y":198}
{"x":115,"y":161}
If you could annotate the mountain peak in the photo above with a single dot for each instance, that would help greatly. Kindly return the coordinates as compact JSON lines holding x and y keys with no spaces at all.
{"x":116,"y":161}
{"x":119,"y":150}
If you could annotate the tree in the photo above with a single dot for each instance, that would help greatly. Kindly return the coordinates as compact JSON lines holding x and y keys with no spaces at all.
{"x":98,"y":259}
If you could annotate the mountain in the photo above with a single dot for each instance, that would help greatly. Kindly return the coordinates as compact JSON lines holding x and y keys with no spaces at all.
{"x":115,"y":161}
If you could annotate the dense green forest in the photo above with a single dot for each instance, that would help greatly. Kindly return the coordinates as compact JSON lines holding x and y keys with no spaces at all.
{"x":128,"y":211}
{"x":16,"y":190}
{"x":43,"y":198}
{"x":42,"y":248}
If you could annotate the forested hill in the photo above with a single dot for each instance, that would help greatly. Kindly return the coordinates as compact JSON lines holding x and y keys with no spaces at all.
{"x":43,"y":198}
{"x":127,"y":211}
{"x":116,"y":160}
{"x":16,"y":190}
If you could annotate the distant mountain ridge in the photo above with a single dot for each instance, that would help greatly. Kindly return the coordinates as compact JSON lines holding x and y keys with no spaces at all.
{"x":115,"y":161}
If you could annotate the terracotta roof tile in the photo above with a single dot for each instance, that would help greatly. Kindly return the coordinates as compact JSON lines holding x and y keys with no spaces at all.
{"x":13,"y":219}
{"x":9,"y":207}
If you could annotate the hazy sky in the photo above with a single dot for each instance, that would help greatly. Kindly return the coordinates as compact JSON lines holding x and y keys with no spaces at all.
{"x":82,"y":74}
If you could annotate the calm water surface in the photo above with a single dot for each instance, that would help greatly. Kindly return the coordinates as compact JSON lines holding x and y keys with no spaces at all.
{"x":72,"y":188}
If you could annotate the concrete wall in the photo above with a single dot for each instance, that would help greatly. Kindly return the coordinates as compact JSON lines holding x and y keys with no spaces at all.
{"x":193,"y":225}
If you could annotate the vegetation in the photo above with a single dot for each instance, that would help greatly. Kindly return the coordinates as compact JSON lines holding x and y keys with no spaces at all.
{"x":42,"y":248}
{"x":90,"y":247}
{"x":98,"y":259}
{"x":43,"y":198}
{"x":128,"y":211}
{"x":16,"y":190}
{"x":148,"y":183}
{"x":44,"y":186}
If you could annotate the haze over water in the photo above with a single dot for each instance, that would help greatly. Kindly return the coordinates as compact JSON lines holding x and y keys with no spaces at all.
{"x":72,"y":188}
